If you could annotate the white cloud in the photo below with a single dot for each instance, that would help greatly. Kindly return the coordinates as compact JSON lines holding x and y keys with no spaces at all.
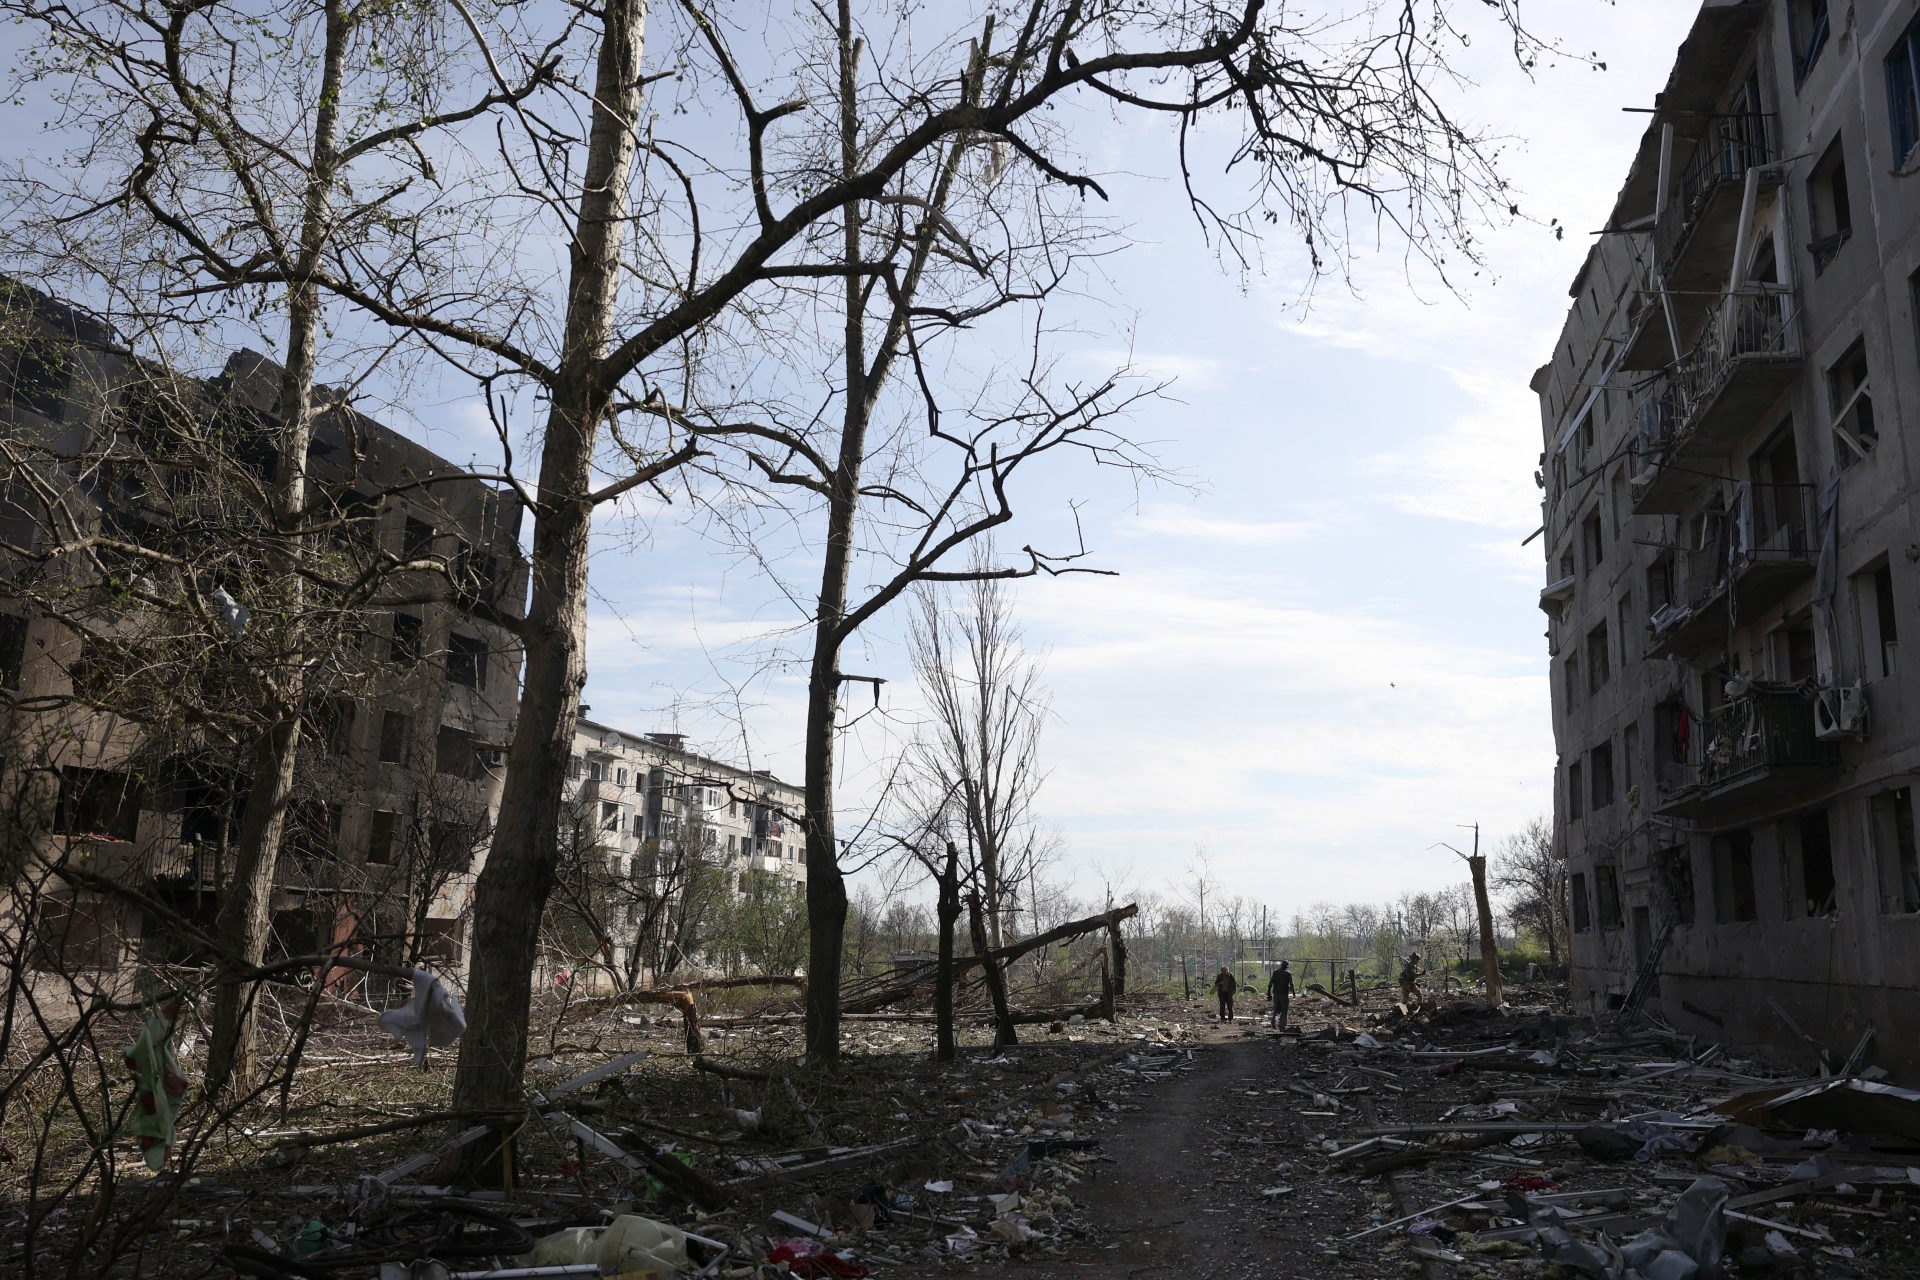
{"x":1172,"y":521}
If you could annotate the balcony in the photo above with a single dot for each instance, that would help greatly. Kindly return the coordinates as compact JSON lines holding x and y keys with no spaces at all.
{"x":1760,"y":745}
{"x":1699,"y":228}
{"x":1748,"y":353}
{"x":602,"y":789}
{"x":1765,"y":550}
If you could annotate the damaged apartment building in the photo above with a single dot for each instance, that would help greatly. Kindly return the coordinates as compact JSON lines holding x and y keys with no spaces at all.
{"x":132,"y":671}
{"x":653,"y":809}
{"x":1733,"y":545}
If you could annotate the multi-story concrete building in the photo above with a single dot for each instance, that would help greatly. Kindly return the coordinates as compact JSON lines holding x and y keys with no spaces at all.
{"x":126,"y":722}
{"x":642,"y":788}
{"x":1733,"y":546}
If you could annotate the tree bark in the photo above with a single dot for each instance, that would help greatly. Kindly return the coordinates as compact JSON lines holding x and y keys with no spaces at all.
{"x":1004,"y":1031}
{"x":245,"y":918}
{"x":947,"y":911}
{"x":512,"y":890}
{"x":1489,"y":948}
{"x":826,"y":886}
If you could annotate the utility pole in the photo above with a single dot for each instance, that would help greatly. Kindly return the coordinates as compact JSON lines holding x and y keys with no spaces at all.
{"x":1489,"y":950}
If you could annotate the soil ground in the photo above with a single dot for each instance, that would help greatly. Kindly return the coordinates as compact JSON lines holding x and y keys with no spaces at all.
{"x":1184,"y":1194}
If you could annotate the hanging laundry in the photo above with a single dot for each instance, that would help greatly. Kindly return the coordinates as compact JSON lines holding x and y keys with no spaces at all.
{"x":158,"y":1085}
{"x":431,"y":1017}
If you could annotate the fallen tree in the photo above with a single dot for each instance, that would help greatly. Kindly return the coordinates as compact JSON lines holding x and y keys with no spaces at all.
{"x":916,"y":981}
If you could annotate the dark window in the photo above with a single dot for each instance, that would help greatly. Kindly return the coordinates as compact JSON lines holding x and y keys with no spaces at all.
{"x":1630,"y":768}
{"x":1830,"y":205}
{"x":1582,"y":912}
{"x":1878,"y":621}
{"x":404,"y":650}
{"x":456,"y":753}
{"x":1903,"y":93}
{"x":1600,"y":763}
{"x":359,"y":517}
{"x":13,"y":649}
{"x":609,"y":816}
{"x":1599,"y":661}
{"x":1575,"y":794}
{"x":1850,"y":395}
{"x":417,"y":540}
{"x":97,"y":802}
{"x":394,"y":729}
{"x":1606,"y":885}
{"x":1894,"y":844}
{"x":35,"y":374}
{"x":1807,"y":29}
{"x":1809,"y":844}
{"x":1595,"y":540}
{"x":313,"y":828}
{"x":382,"y":836}
{"x":1676,"y":882}
{"x":331,"y":724}
{"x":1660,"y":583}
{"x":1733,"y":892}
{"x":455,"y":844}
{"x":1573,"y":679}
{"x":467,"y":660}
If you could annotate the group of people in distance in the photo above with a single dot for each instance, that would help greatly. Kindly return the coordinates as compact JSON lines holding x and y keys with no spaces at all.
{"x":1280,"y":989}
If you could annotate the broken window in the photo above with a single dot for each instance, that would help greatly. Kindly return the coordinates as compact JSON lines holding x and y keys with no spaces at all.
{"x":1791,"y":655}
{"x":382,"y":835}
{"x":1850,"y":396}
{"x":456,"y":754}
{"x":394,"y":730}
{"x":1878,"y":621}
{"x":1593,"y":539}
{"x":1582,"y":913}
{"x":1660,"y":582}
{"x":1606,"y":887}
{"x":99,"y":803}
{"x":1807,"y":32}
{"x":467,"y":660}
{"x":416,"y":541}
{"x":1575,"y":794}
{"x":404,"y":649}
{"x":1734,"y":900}
{"x":1626,"y":627}
{"x":609,"y":816}
{"x":455,"y":844}
{"x":1903,"y":93}
{"x":13,"y":649}
{"x":1830,"y":207}
{"x":1630,"y":759}
{"x":1676,"y":882}
{"x":1573,"y":679}
{"x":1600,"y":764}
{"x":330,"y":723}
{"x":1893,"y":843}
{"x":1806,"y":863}
{"x":1599,"y":661}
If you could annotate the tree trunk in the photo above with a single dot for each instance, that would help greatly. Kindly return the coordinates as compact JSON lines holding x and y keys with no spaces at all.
{"x":1004,"y":1031}
{"x":826,"y":886}
{"x":511,"y":892}
{"x":1119,"y":947}
{"x":245,"y":918}
{"x":1489,"y":948}
{"x":947,"y":911}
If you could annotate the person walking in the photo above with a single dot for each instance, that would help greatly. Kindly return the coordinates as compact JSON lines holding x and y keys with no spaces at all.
{"x":1280,"y":991}
{"x":1224,"y":985}
{"x":1410,"y":982}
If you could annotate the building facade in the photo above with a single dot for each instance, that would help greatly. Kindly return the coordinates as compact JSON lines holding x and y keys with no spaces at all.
{"x":1733,"y":548}
{"x":678,"y":833}
{"x":131,"y":672}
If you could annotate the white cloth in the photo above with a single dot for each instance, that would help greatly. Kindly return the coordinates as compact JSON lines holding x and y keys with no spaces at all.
{"x":431,"y":1017}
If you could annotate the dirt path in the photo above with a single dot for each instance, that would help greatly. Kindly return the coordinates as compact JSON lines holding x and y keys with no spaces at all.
{"x":1183,"y":1195}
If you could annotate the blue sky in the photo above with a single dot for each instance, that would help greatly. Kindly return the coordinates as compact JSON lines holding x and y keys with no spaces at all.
{"x":1322,"y":652}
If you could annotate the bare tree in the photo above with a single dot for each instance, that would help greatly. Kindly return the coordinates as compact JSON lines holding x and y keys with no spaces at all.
{"x":1530,"y":868}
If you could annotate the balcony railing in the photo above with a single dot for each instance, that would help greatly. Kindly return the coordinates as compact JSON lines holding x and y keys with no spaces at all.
{"x":1748,"y":349}
{"x":1707,"y":193}
{"x":1757,"y":742}
{"x":1762,"y":548}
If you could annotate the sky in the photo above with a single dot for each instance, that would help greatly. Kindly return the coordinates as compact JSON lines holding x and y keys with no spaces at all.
{"x":1320,"y":651}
